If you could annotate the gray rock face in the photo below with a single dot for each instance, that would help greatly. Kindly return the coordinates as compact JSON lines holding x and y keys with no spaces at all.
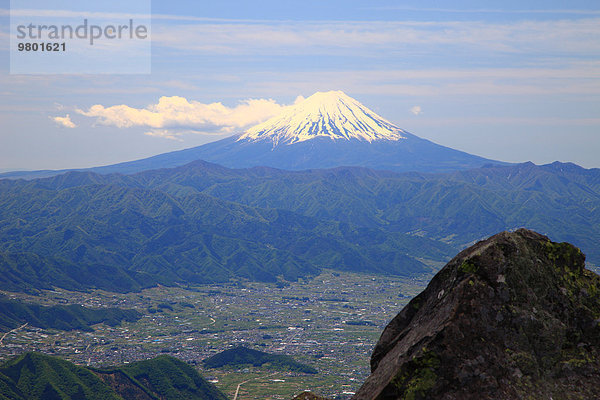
{"x":515,"y":316}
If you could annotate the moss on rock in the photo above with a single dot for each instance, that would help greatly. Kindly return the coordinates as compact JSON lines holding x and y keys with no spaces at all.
{"x":516,"y":316}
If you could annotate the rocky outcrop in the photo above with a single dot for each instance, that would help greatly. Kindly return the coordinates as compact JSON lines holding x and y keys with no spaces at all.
{"x":515,"y":316}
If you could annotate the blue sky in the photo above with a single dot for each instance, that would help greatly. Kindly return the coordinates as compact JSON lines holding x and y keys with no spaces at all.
{"x":513,"y":81}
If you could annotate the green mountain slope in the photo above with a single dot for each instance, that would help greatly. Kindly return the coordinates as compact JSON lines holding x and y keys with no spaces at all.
{"x":457,"y":208}
{"x":169,"y":378}
{"x":37,"y":376}
{"x":240,"y":357}
{"x":124,"y":237}
{"x":14,"y":313}
{"x":31,"y":272}
{"x":203,"y":223}
{"x":33,"y":376}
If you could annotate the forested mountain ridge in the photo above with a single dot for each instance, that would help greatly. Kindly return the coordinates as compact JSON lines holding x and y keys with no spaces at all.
{"x":203,"y":223}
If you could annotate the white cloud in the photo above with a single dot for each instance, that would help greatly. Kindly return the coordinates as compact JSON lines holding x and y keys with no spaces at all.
{"x":567,"y":36}
{"x":569,"y":78}
{"x":416,"y":110}
{"x":165,"y":133}
{"x":64,"y":121}
{"x":174,"y":116}
{"x":49,"y":13}
{"x":489,"y":11}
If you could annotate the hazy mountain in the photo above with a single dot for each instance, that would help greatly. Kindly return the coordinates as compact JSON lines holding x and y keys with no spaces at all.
{"x":328,"y":129}
{"x":514,"y":316}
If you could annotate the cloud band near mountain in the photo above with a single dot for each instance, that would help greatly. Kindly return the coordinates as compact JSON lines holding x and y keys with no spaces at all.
{"x":174,"y":115}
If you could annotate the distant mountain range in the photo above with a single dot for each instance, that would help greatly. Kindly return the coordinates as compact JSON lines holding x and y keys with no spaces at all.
{"x":203,"y":223}
{"x":82,"y":230}
{"x":326,"y":130}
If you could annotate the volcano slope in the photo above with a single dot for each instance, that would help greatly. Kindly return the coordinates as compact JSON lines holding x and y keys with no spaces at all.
{"x":515,"y":316}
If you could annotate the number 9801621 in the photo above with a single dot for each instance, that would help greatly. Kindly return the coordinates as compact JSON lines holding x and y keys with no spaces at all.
{"x":44,"y":46}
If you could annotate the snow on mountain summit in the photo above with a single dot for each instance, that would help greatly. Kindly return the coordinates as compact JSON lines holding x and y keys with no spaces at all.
{"x":324,"y":114}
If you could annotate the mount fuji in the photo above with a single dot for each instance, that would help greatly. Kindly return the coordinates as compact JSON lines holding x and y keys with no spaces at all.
{"x":325,"y":130}
{"x":332,"y":115}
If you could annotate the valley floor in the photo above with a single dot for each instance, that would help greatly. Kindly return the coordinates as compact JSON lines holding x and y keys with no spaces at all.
{"x":330,"y":322}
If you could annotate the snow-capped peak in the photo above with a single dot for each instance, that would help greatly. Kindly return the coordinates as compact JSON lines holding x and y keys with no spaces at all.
{"x":324,"y":114}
